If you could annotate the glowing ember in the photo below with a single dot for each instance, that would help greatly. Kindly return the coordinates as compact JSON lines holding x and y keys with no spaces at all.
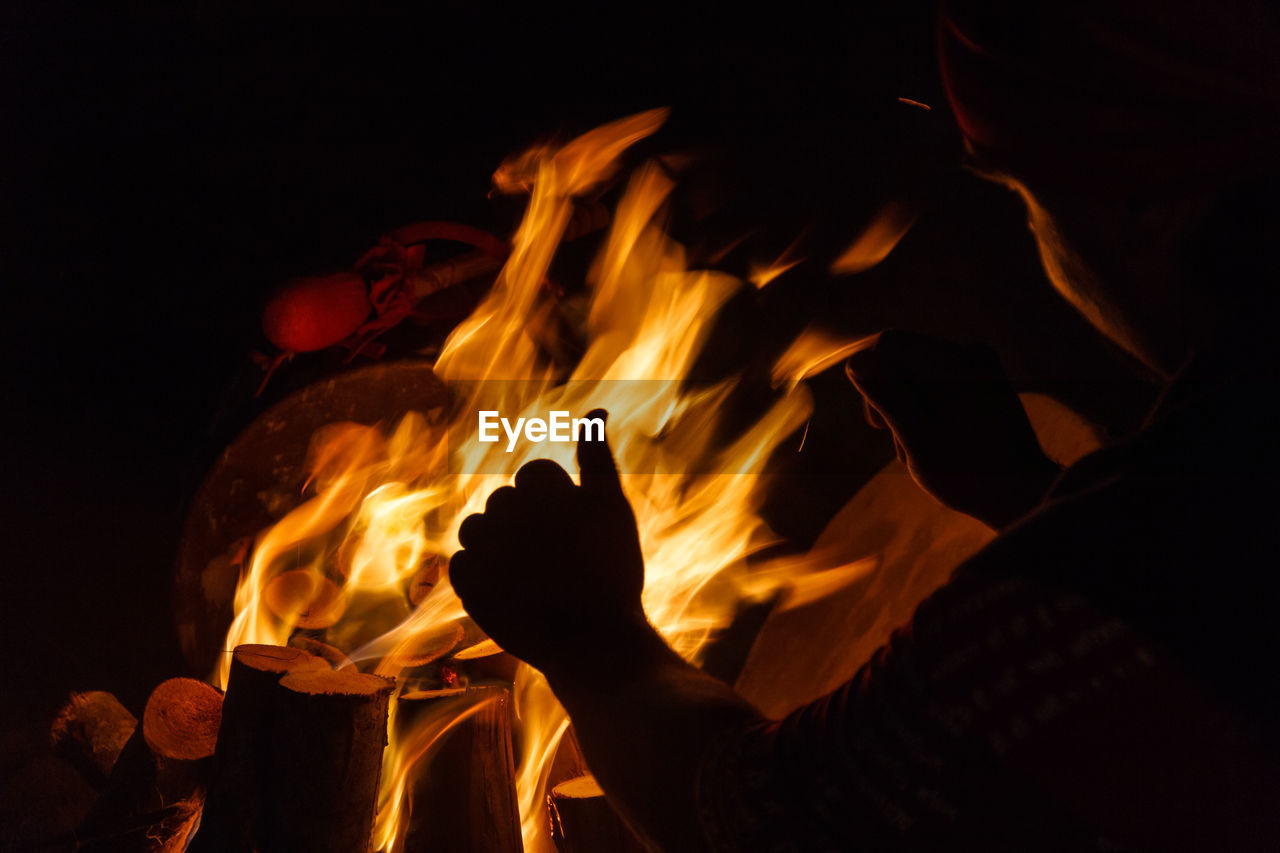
{"x":383,"y":507}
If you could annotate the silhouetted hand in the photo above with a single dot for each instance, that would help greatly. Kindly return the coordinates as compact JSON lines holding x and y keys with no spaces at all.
{"x":551,"y":569}
{"x":957,"y":423}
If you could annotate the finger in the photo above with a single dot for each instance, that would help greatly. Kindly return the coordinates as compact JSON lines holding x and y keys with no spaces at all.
{"x":502,"y":505}
{"x":472,"y":531}
{"x":543,"y":477}
{"x":461,"y":573}
{"x":597,"y":470}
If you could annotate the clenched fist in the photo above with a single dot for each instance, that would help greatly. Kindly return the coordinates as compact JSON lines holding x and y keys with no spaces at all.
{"x":551,"y":569}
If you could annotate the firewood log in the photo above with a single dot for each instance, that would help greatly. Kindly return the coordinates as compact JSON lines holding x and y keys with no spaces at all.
{"x":582,"y":821}
{"x":181,"y":719}
{"x":237,"y":787}
{"x":166,"y":761}
{"x":425,"y":578}
{"x":89,"y":732}
{"x":305,"y":598}
{"x":426,"y":647}
{"x":326,"y":756}
{"x":501,"y":666}
{"x":42,"y":801}
{"x":180,"y":726}
{"x":463,"y":796}
{"x":569,"y":762}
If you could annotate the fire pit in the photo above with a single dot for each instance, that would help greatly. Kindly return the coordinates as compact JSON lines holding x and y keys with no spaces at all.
{"x":350,"y":704}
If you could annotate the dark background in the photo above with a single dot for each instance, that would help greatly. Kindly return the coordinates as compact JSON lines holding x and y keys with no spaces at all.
{"x":160,"y":177}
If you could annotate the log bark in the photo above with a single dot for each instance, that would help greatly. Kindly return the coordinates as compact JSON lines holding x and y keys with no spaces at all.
{"x":139,"y":809}
{"x":238,"y":785}
{"x":463,"y":797}
{"x":582,"y":821}
{"x":90,"y":731}
{"x":326,"y":756}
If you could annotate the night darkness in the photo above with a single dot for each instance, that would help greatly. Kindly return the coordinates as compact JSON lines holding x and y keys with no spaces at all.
{"x":162,"y":177}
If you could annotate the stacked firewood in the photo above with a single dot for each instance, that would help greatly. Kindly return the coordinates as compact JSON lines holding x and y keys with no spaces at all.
{"x":151,"y":775}
{"x":290,"y":759}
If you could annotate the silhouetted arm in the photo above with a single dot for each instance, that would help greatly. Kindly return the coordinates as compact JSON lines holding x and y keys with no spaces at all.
{"x":553,"y":572}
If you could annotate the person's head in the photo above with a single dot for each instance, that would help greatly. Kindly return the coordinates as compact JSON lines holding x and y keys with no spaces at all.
{"x":1126,"y":127}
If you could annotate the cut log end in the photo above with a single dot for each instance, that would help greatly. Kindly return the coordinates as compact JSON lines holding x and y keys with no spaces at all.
{"x":91,"y":730}
{"x":305,"y":598}
{"x":582,"y":820}
{"x":278,"y":660}
{"x":181,"y":719}
{"x":579,"y":788}
{"x":426,"y":647}
{"x":342,"y":682}
{"x":482,"y":649}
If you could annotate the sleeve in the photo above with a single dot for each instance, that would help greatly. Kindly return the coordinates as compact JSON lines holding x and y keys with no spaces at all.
{"x":914,"y":753}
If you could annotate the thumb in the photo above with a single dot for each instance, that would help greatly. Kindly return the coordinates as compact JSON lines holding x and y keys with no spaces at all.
{"x":598,"y":472}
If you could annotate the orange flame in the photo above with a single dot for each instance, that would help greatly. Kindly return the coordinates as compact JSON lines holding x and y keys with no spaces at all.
{"x":382,"y":505}
{"x":887,"y":228}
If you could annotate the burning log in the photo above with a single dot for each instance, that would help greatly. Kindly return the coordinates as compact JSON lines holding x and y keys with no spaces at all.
{"x":569,"y":762}
{"x":305,"y":599}
{"x":326,"y":756}
{"x":465,"y":797}
{"x":425,"y":578}
{"x":487,"y":662}
{"x":91,"y":730}
{"x":427,"y":646}
{"x":237,"y":788}
{"x":258,"y":478}
{"x":582,"y":821}
{"x":298,"y":755}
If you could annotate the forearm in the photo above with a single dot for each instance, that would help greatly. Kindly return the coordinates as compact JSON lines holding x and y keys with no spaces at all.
{"x":643,"y":716}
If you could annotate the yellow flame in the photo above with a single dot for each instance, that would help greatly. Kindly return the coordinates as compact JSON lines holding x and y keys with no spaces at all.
{"x":401,"y":763}
{"x":381,"y":505}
